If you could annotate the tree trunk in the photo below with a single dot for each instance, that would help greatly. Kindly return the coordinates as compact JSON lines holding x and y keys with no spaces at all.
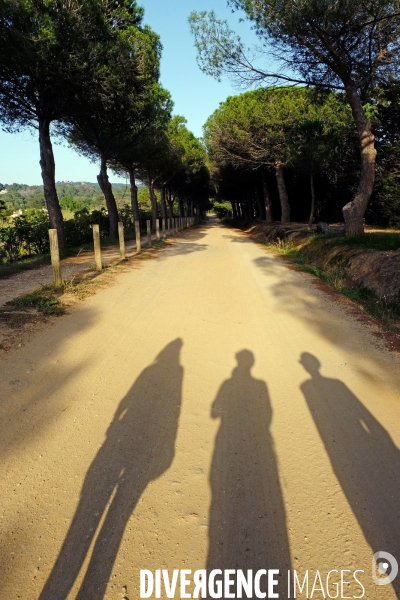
{"x":250,"y":205}
{"x":234,"y":211}
{"x":267,"y":201}
{"x":163,"y":203}
{"x":283,"y":197}
{"x":153,"y":200}
{"x":354,"y":211}
{"x":48,"y":167}
{"x":134,"y":196}
{"x":106,"y":188}
{"x":259,"y":204}
{"x":312,"y":213}
{"x":171,"y":208}
{"x":181,"y":208}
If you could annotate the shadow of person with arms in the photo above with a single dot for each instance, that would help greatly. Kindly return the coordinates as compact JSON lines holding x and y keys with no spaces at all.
{"x":139,"y":448}
{"x":364,"y":458}
{"x":247,"y":525}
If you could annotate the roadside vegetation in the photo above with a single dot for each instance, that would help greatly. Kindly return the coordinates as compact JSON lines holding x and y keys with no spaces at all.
{"x":336,"y":260}
{"x":88,"y":73}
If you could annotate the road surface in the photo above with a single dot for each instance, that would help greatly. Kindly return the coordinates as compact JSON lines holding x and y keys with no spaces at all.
{"x":213,"y":409}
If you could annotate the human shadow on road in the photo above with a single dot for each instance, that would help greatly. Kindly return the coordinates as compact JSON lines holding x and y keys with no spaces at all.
{"x":364,"y":458}
{"x":139,"y":448}
{"x":247,"y":525}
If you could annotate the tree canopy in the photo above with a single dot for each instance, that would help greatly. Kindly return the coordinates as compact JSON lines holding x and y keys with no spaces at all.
{"x":343,"y":44}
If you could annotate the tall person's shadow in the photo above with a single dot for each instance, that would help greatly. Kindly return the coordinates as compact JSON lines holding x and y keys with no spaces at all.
{"x":247,"y":525}
{"x":139,"y":448}
{"x":364,"y":458}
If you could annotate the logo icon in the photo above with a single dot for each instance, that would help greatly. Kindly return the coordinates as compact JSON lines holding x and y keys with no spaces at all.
{"x":384,"y":562}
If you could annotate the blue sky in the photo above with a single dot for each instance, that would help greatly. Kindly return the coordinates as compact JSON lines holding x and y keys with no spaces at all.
{"x":195,"y":95}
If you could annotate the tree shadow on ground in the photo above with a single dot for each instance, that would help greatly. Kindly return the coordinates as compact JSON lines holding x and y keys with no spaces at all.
{"x":238,"y":239}
{"x":247,"y":516}
{"x":364,"y":458}
{"x":139,"y":448}
{"x":321,"y":309}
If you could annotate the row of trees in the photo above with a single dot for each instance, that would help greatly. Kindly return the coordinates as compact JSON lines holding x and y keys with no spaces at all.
{"x":342,"y":45}
{"x":88,"y":70}
{"x":270,"y":130}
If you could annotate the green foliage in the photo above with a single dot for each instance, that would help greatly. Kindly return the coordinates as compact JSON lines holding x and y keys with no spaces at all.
{"x":28,"y":234}
{"x":218,"y":49}
{"x":271,"y":125}
{"x":309,"y":258}
{"x":222,"y":209}
{"x":79,"y":229}
{"x":24,"y":235}
{"x":318,"y":42}
{"x":385,"y":204}
{"x":42,"y":300}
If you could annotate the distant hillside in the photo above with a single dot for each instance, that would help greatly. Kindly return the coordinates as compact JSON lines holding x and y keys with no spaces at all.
{"x":72,"y":195}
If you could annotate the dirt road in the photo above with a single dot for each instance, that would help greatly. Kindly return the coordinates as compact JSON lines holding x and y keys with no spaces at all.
{"x":212,"y":410}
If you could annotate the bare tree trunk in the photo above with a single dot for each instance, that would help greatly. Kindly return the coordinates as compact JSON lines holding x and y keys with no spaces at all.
{"x":250,"y":205}
{"x":171,"y":205}
{"x":106,"y":188}
{"x":267,"y":201}
{"x":163,"y":203}
{"x":171,"y":208}
{"x":234,"y":211}
{"x":261,"y":211}
{"x":312,"y":213}
{"x":153,"y":200}
{"x":354,"y":211}
{"x":48,"y":167}
{"x":283,"y":197}
{"x":181,"y":208}
{"x":134,"y":196}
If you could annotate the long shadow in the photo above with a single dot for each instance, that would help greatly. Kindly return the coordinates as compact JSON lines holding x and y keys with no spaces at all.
{"x":247,"y":516}
{"x":364,"y":458}
{"x":139,"y":447}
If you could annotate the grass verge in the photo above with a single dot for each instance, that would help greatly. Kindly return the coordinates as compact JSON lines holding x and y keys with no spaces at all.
{"x":386,"y":310}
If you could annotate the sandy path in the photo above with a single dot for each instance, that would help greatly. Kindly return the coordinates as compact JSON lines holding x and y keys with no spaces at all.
{"x":135,"y":433}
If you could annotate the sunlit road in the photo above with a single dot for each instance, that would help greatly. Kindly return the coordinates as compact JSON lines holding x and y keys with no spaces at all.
{"x":213,"y":409}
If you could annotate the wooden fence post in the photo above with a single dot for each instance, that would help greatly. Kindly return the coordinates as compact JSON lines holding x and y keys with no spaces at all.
{"x":137,"y":235}
{"x":97,"y":247}
{"x":148,"y":223}
{"x":121,"y":240}
{"x":55,"y":257}
{"x":158,"y":229}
